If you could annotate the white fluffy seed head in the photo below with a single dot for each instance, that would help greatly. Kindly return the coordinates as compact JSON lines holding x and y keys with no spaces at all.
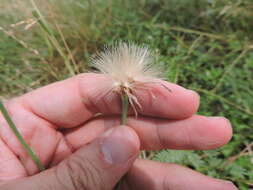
{"x":126,"y":64}
{"x":131,"y":68}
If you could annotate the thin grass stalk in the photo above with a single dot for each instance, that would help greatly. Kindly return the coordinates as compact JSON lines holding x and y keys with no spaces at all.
{"x":229,"y":68}
{"x":14,"y":129}
{"x":49,"y":33}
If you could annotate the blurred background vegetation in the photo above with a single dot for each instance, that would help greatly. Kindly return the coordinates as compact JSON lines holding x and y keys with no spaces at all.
{"x":205,"y":45}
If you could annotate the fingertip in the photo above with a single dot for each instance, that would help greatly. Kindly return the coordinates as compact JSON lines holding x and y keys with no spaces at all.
{"x":225,"y":185}
{"x":190,"y":104}
{"x":223,"y":130}
{"x":216,"y":133}
{"x":184,"y":102}
{"x":171,"y":101}
{"x":169,"y":176}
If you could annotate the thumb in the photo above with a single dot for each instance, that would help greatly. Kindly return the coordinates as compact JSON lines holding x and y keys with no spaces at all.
{"x":99,"y":165}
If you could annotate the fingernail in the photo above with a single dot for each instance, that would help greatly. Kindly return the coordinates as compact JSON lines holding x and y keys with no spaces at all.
{"x":193,"y":92}
{"x":194,"y":95}
{"x":118,"y":145}
{"x":230,"y":184}
{"x":227,"y":185}
{"x":221,"y":119}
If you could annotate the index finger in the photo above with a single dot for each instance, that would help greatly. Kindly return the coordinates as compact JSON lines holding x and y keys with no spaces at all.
{"x":72,"y":102}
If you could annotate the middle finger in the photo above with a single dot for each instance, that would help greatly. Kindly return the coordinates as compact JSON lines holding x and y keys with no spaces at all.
{"x":195,"y":133}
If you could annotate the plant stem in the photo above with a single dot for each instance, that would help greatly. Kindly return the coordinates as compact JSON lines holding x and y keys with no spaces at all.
{"x":20,"y":138}
{"x":125,"y":105}
{"x":124,"y":111}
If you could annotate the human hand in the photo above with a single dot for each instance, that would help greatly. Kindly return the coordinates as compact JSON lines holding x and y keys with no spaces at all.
{"x":86,"y":152}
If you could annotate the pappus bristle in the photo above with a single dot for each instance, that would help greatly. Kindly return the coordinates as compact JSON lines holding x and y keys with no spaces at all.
{"x":130,"y":66}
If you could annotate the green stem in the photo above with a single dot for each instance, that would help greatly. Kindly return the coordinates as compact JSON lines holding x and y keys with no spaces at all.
{"x":20,"y":138}
{"x":124,"y":111}
{"x":125,"y":105}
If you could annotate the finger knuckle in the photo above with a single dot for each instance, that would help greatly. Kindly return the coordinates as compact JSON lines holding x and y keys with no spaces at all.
{"x":83,"y":174}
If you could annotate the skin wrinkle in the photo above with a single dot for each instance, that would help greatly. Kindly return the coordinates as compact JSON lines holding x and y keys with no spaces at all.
{"x":41,"y":111}
{"x":87,"y":101}
{"x":29,"y":109}
{"x":3,"y":166}
{"x":71,"y":148}
{"x":66,"y":131}
{"x":76,"y":80}
{"x":138,"y":98}
{"x":105,"y":102}
{"x":165,"y":184}
{"x":24,"y":158}
{"x":84,"y":172}
{"x":115,"y":97}
{"x":161,"y":141}
{"x":150,"y":94}
{"x":6,"y":143}
{"x":57,"y":173}
{"x":25,"y":105}
{"x":96,"y":179}
{"x":90,"y":106}
{"x":151,"y":101}
{"x":31,"y":139}
{"x":153,"y":92}
{"x":185,"y":131}
{"x":72,"y":168}
{"x":61,"y":140}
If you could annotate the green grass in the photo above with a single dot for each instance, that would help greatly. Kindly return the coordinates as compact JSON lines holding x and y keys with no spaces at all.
{"x":205,"y":45}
